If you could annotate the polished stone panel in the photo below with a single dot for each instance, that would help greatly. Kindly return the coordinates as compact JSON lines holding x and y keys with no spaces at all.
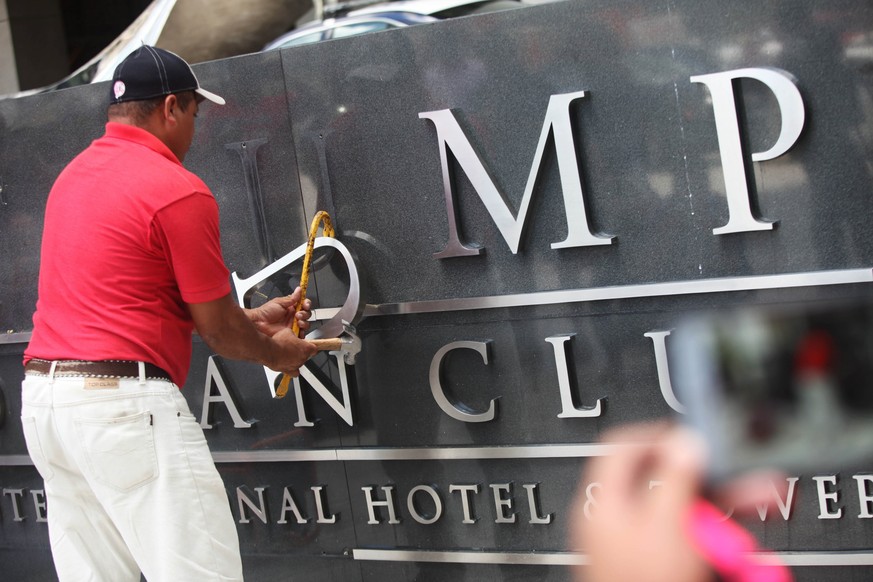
{"x":543,"y":335}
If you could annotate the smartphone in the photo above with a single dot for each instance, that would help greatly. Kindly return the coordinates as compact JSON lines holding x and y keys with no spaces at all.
{"x":787,"y":388}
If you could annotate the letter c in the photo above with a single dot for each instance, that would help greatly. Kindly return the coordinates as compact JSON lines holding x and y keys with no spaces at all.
{"x":458,"y":410}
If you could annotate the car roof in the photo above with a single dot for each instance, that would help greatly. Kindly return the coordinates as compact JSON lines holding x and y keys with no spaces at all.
{"x":398,"y":19}
{"x":145,"y":29}
{"x":398,"y":12}
{"x":396,"y":15}
{"x":426,"y":7}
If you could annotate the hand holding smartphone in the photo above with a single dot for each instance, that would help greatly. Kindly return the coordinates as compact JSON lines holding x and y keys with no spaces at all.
{"x":786,"y":387}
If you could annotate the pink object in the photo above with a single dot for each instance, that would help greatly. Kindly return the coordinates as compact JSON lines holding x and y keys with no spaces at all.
{"x":730,"y":549}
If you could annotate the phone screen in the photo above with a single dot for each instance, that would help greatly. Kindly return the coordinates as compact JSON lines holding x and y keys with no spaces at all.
{"x":788,"y":387}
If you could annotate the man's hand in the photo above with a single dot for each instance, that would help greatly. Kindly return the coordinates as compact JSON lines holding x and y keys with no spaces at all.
{"x":231,"y":332}
{"x":635,"y":532}
{"x":293,"y":354}
{"x":278,"y":314}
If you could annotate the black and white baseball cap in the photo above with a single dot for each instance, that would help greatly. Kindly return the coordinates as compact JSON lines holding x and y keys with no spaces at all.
{"x":150,"y":72}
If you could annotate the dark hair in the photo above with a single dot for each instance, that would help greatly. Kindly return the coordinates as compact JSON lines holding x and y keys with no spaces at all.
{"x":139,"y":111}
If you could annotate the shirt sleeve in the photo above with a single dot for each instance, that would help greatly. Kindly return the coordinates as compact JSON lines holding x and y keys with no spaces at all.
{"x":187,"y":231}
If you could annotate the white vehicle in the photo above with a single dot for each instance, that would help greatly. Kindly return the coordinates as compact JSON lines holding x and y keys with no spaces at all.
{"x":355,"y":18}
{"x":144,"y":30}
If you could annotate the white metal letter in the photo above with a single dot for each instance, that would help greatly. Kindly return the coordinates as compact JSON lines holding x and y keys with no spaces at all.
{"x":568,"y":408}
{"x":451,"y":137}
{"x":225,"y":395}
{"x":342,"y":408}
{"x":532,"y":501}
{"x":437,"y":502}
{"x":825,"y":496}
{"x":865,"y":498}
{"x":320,"y":503}
{"x":502,"y":505}
{"x":388,"y":503}
{"x":721,"y":89}
{"x":289,"y":504}
{"x":244,"y":501}
{"x":784,"y":505}
{"x":15,"y":496}
{"x":659,"y":339}
{"x":39,"y":504}
{"x":334,"y":326}
{"x":465,"y":491}
{"x":457,"y":410}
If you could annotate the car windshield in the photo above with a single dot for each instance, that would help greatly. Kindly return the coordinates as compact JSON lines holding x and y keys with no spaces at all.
{"x":360,"y":28}
{"x":304,"y":39}
{"x":477,"y":8}
{"x":357,"y":17}
{"x":81,"y":77}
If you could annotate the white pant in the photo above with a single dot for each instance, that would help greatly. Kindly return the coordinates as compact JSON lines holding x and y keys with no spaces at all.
{"x":130,"y":484}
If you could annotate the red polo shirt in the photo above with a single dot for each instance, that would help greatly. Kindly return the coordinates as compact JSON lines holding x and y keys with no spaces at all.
{"x":130,"y":237}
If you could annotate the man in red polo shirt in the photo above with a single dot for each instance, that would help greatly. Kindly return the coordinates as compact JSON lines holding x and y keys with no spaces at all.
{"x":131,"y":263}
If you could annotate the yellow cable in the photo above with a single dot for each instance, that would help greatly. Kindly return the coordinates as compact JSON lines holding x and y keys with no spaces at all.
{"x":327,"y":230}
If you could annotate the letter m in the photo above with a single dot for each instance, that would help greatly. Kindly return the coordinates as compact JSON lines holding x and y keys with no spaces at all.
{"x":557,"y":122}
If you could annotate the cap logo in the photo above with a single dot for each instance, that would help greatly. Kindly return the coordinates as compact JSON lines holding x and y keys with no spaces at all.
{"x":118,"y":89}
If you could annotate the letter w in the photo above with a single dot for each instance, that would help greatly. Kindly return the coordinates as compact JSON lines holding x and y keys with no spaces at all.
{"x":451,"y":136}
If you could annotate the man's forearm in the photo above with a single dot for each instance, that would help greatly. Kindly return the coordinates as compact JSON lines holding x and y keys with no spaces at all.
{"x":229,"y":331}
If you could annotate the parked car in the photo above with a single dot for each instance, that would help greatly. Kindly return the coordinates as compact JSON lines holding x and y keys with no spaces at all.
{"x":355,"y":18}
{"x":146,"y":29}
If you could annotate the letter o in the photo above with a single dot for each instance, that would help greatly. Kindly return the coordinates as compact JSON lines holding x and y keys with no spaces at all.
{"x":437,"y":502}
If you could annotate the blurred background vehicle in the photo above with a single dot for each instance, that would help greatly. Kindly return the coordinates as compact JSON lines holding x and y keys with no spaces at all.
{"x":345,"y":26}
{"x":47,"y":45}
{"x":144,"y":30}
{"x":354,"y":18}
{"x":54,"y":44}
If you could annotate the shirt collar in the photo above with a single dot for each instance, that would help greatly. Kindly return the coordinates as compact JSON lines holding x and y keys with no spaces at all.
{"x":139,"y":136}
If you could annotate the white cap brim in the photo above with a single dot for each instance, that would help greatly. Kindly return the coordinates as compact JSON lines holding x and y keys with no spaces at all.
{"x":209,"y":95}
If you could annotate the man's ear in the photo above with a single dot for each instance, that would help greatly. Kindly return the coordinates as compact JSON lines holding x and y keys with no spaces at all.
{"x":170,"y":107}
